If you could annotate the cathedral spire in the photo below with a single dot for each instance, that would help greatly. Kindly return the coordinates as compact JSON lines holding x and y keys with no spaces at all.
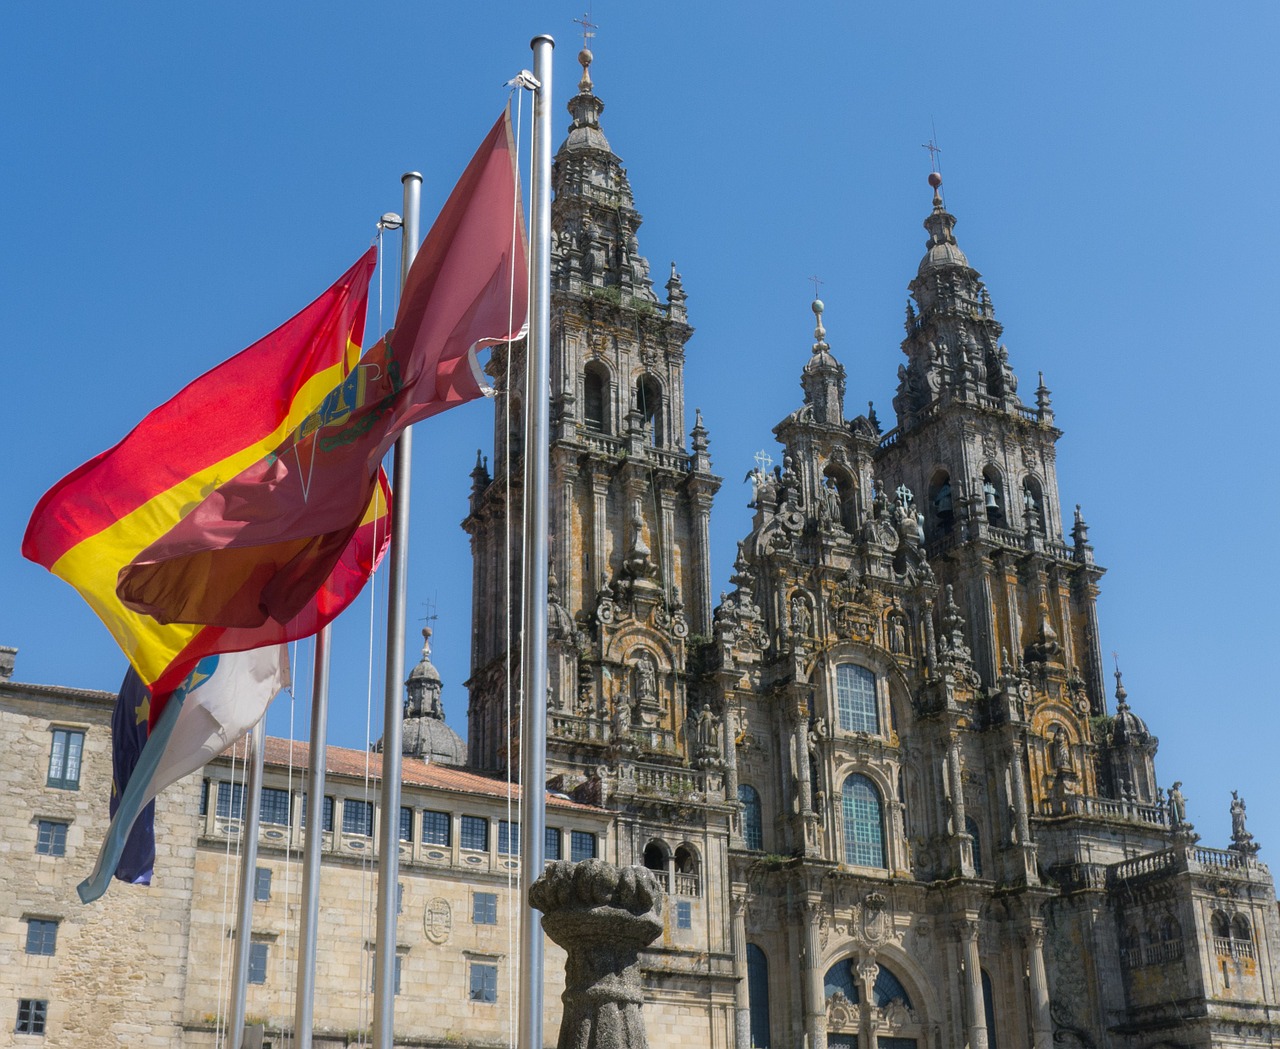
{"x":823,"y":376}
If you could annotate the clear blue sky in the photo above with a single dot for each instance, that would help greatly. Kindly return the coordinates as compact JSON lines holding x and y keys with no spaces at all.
{"x":178,"y":179}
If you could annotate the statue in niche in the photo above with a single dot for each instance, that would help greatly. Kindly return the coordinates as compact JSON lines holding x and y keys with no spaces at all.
{"x":646,"y":681}
{"x":897,"y":634}
{"x":801,"y":619}
{"x":1241,"y":840}
{"x":1060,"y":751}
{"x":622,"y":715}
{"x":831,"y":496}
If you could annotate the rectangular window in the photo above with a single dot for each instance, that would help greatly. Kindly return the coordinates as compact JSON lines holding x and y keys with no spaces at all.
{"x":684,"y":914}
{"x":51,"y":838}
{"x":42,"y":936}
{"x":65,"y":751}
{"x":326,"y":821}
{"x":204,"y":798}
{"x":582,"y":846}
{"x":357,"y":817}
{"x":395,"y":976}
{"x":475,"y":833}
{"x":436,"y":828}
{"x":31,"y":1015}
{"x":551,"y":846}
{"x":274,"y":808}
{"x":230,"y":801}
{"x":484,"y":908}
{"x":257,"y":963}
{"x":856,"y":699}
{"x":262,"y":884}
{"x":406,"y":823}
{"x":508,"y":838}
{"x":484,"y":982}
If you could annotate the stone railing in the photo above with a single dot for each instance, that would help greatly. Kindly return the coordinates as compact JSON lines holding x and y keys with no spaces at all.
{"x":890,"y":439}
{"x":1233,"y":948}
{"x":1153,"y":954}
{"x":599,"y":442}
{"x":675,"y":784}
{"x":686,"y":884}
{"x":1105,"y":808}
{"x":1186,"y":858}
{"x":571,"y":726}
{"x":671,"y":460}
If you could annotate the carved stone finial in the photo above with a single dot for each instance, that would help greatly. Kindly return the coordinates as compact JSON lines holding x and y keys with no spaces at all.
{"x":603,"y":916}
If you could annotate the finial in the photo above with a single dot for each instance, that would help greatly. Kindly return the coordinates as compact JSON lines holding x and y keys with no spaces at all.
{"x":1121,"y":694}
{"x":426,"y":642}
{"x":935,"y":180}
{"x":819,"y":332}
{"x":585,"y":56}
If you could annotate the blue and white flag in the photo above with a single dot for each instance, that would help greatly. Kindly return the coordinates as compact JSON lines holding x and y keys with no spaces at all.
{"x":221,"y":700}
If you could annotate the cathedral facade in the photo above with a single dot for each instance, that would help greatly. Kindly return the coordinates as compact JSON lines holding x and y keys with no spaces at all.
{"x":883,"y":772}
{"x":892,"y":796}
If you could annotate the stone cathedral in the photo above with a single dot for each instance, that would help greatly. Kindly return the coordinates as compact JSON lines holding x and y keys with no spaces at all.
{"x":881,"y":776}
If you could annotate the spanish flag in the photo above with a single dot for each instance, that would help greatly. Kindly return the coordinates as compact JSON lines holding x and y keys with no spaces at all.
{"x":99,"y":517}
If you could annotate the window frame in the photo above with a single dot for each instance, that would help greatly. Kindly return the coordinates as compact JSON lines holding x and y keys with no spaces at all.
{"x":852,"y":820}
{"x":434,"y":819}
{"x":66,"y":757}
{"x":259,"y":959}
{"x":36,"y":1017}
{"x":860,"y":704}
{"x":57,"y":843}
{"x":487,"y":982}
{"x":229,"y":804}
{"x":508,"y":838}
{"x":577,"y":836}
{"x":552,"y":852}
{"x":684,"y":914}
{"x":484,"y":908}
{"x":42,"y":937}
{"x":261,"y":884}
{"x":269,"y":807}
{"x":466,"y":835}
{"x":406,"y":811}
{"x":752,"y":828}
{"x":351,"y":806}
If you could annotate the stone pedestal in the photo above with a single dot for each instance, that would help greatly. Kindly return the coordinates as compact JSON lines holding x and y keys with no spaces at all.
{"x":603,"y":916}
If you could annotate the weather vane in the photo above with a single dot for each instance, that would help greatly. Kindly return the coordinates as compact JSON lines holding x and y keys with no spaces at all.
{"x":933,"y":153}
{"x":588,"y":29}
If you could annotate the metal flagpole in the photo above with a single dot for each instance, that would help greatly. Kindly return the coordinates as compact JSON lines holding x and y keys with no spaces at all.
{"x":393,"y":727}
{"x":304,"y":1006}
{"x":533,"y":669}
{"x":248,"y":871}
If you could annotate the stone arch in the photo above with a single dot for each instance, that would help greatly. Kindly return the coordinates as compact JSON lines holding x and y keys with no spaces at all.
{"x":650,"y":403}
{"x":904,"y":971}
{"x":994,"y":497}
{"x":596,"y":400}
{"x":686,"y":867}
{"x":846,"y":491}
{"x":1034,"y":510}
{"x":942,"y":502}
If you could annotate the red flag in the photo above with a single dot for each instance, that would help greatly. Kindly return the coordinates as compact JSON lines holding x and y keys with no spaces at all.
{"x":104,"y":513}
{"x":255,"y":550}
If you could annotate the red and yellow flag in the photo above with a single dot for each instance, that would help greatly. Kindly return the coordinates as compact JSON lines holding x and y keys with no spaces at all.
{"x":99,"y":517}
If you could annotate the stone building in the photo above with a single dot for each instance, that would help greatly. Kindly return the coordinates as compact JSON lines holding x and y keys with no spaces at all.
{"x":882,"y":778}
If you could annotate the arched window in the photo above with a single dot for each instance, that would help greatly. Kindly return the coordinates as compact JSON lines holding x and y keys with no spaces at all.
{"x":1221,"y":926}
{"x":993,"y":496}
{"x":941,"y":503}
{"x":856,"y":699}
{"x":655,"y":859}
{"x":752,"y":824}
{"x":971,"y":829}
{"x":886,"y":990}
{"x":649,"y":405}
{"x":1240,"y":929}
{"x":863,"y":823}
{"x":758,"y":996}
{"x":989,"y":1010}
{"x":595,"y":399}
{"x":685,"y":864}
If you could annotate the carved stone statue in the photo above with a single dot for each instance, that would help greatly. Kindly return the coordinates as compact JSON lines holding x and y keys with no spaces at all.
{"x":1241,"y":840}
{"x":1060,"y":751}
{"x":1177,"y":806}
{"x":801,"y":620}
{"x":897,"y":634}
{"x":646,"y":680}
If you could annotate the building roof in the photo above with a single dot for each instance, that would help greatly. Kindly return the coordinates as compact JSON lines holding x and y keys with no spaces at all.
{"x":343,"y":761}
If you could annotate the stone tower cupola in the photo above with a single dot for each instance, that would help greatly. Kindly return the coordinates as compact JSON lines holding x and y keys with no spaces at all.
{"x":823,"y":376}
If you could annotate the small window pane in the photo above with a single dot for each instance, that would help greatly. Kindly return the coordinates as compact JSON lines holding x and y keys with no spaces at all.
{"x":406,"y":823}
{"x":326,"y":821}
{"x":863,"y":829}
{"x":436,"y":828}
{"x":31,"y":1015}
{"x":258,"y":963}
{"x":262,"y":884}
{"x":684,"y":914}
{"x":51,"y":838}
{"x":856,"y":699}
{"x":274,"y":808}
{"x":582,"y":846}
{"x":42,"y":936}
{"x":357,"y":817}
{"x":752,"y":823}
{"x":484,"y":908}
{"x":65,"y":751}
{"x":552,"y":844}
{"x":475,"y":833}
{"x":484,"y":982}
{"x":508,"y":838}
{"x":230,"y":800}
{"x":204,"y":798}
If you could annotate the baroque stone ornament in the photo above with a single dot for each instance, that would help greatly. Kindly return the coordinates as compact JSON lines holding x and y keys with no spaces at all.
{"x":603,"y":916}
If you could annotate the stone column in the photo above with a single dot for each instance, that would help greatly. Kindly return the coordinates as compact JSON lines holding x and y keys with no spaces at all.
{"x":603,"y":916}
{"x":741,"y":996}
{"x":729,"y":748}
{"x":867,"y":971}
{"x":1042,"y":1024}
{"x":800,"y":747}
{"x":702,"y":556}
{"x":599,"y":522}
{"x":968,"y":931}
{"x":815,"y":1001}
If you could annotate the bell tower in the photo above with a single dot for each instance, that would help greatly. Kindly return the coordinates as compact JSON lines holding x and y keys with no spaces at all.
{"x":982,"y":463}
{"x":630,"y":501}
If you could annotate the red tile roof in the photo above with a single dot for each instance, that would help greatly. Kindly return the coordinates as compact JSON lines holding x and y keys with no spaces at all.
{"x":343,"y":761}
